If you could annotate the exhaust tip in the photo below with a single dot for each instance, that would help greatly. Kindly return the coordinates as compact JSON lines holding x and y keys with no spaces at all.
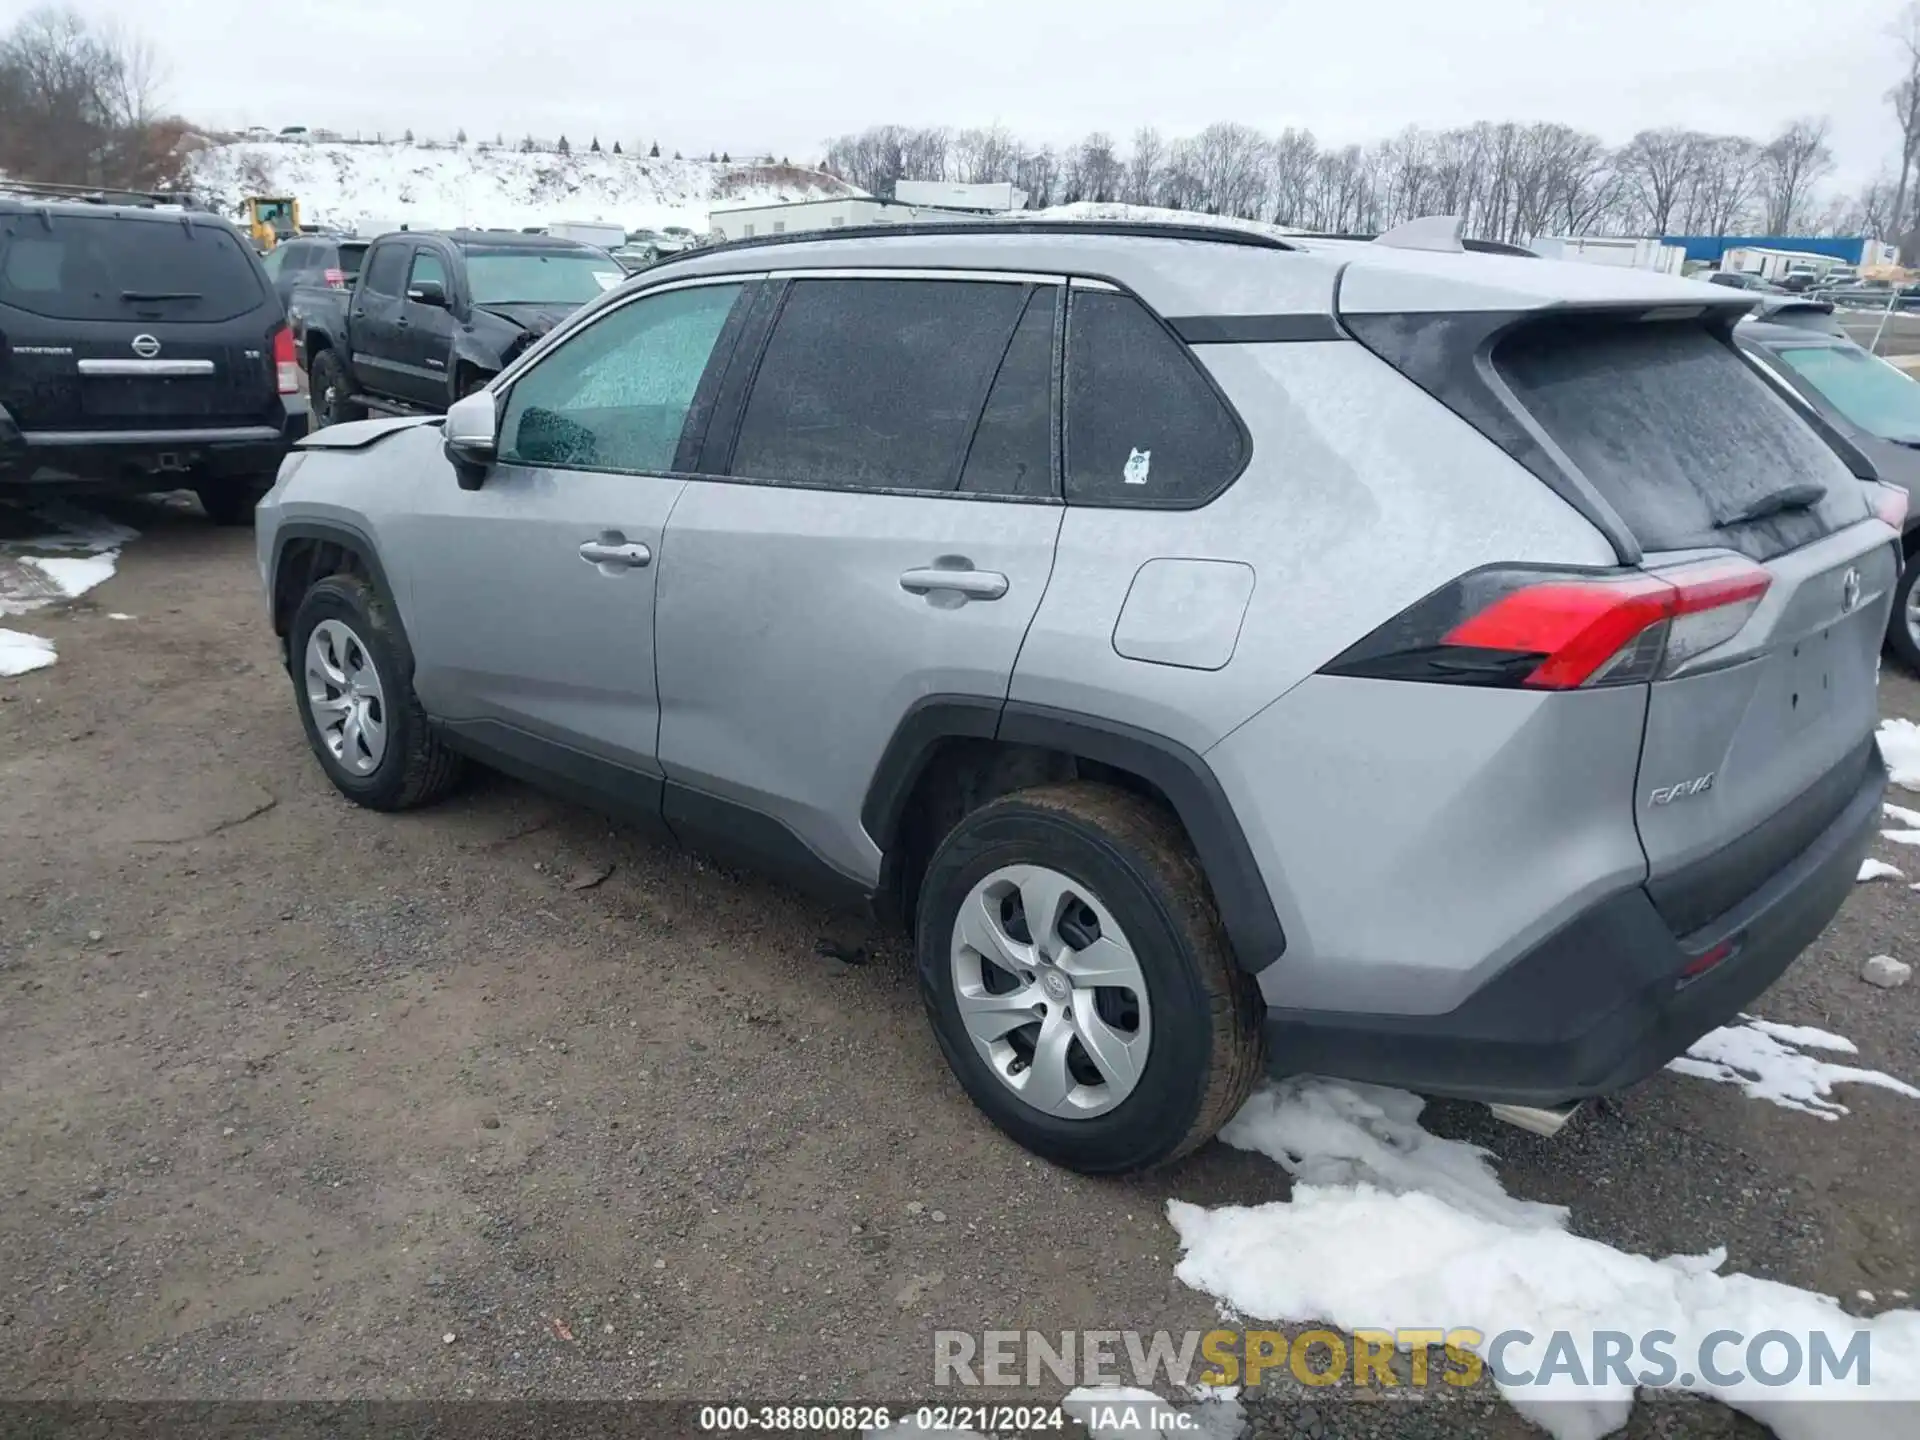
{"x":1535,"y":1120}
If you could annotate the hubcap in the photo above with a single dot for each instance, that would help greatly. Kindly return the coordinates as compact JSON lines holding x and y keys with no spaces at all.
{"x":345,"y":696}
{"x":1912,"y":616}
{"x":1050,"y":991}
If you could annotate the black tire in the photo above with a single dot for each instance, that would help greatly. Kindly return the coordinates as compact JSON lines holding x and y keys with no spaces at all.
{"x":1900,"y":636}
{"x":416,"y":768}
{"x":231,"y":502}
{"x":1206,"y":1048}
{"x":330,"y":392}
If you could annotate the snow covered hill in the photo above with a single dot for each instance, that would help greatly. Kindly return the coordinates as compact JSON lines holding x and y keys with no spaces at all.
{"x":347,"y":185}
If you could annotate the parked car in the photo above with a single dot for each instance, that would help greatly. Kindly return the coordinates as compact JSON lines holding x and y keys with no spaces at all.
{"x":1214,"y":684}
{"x":1741,"y":280}
{"x":1871,"y":404}
{"x":143,"y":349}
{"x":326,"y":260}
{"x":435,"y":315}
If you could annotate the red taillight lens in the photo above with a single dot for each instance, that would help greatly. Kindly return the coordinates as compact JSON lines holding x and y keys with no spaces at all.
{"x":1890,"y":505}
{"x":1560,"y":631}
{"x":337,"y":279}
{"x":286,"y":373}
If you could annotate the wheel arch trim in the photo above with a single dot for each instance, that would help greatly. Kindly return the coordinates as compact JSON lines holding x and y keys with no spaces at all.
{"x":1189,"y":784}
{"x":333,"y":532}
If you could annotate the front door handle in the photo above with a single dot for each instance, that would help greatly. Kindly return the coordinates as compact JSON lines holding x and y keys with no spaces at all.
{"x":610,"y":554}
{"x":960,"y":579}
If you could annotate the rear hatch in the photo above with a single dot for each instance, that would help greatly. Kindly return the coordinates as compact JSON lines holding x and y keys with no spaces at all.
{"x":1697,"y":455}
{"x":1755,"y":582}
{"x":122,"y":320}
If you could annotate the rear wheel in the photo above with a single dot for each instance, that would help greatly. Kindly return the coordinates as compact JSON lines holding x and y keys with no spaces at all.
{"x":331,"y":392}
{"x":1078,"y":980}
{"x":1903,"y":630}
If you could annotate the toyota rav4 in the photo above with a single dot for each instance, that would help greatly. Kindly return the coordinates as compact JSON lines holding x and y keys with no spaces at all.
{"x":1443,"y":669}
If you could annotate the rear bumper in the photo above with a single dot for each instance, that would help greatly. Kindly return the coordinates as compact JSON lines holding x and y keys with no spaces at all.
{"x":159,"y":457}
{"x":1603,"y":1002}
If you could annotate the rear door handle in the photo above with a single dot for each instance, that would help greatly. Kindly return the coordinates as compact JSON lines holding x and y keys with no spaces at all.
{"x":610,"y":555}
{"x":973,"y":584}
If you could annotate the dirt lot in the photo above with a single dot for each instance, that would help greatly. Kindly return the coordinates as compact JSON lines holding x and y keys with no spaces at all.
{"x":290,"y":1092}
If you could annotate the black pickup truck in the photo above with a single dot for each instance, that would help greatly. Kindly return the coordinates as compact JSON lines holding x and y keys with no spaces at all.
{"x":434,"y":315}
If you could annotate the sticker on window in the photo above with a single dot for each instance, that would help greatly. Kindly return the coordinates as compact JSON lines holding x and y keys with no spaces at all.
{"x":608,"y":278}
{"x":1138,"y":463}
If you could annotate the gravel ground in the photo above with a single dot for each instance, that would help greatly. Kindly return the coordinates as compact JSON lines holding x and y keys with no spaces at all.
{"x":294,"y":1092}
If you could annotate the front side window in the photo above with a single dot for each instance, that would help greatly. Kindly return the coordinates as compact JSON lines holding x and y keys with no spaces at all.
{"x":1144,"y":426}
{"x":1862,"y":387}
{"x":615,"y":396}
{"x":875,"y":384}
{"x":427,"y":267}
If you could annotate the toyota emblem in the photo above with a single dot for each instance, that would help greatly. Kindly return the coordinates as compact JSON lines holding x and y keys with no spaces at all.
{"x":145,"y":346}
{"x":1850,"y":591}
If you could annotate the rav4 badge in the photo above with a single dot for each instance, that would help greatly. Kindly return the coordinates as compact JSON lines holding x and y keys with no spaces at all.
{"x":1685,"y":790}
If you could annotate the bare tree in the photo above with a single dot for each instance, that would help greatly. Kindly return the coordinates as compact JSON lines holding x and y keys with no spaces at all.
{"x":1099,"y":168}
{"x":1289,"y":169}
{"x":80,"y":104}
{"x":1796,"y":159}
{"x":1905,"y":99}
{"x":1143,"y":165}
{"x":1727,"y":175}
{"x":1657,"y":167}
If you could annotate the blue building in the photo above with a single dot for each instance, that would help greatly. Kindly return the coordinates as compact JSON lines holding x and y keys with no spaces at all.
{"x":1853,"y":250}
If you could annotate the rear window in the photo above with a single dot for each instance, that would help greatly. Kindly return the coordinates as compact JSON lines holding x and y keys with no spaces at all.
{"x":1678,"y":434}
{"x":348,"y":260}
{"x":104,"y":267}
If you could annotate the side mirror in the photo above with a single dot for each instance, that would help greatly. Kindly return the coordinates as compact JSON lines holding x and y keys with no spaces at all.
{"x":470,"y":431}
{"x":429,"y":292}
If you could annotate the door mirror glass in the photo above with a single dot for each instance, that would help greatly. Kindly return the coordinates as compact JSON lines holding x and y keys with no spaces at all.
{"x":428,"y":292}
{"x":470,"y":429}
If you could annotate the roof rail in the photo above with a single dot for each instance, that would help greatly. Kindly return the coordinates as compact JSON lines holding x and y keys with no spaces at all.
{"x":99,"y":194}
{"x":1141,"y":229}
{"x":1467,"y":242}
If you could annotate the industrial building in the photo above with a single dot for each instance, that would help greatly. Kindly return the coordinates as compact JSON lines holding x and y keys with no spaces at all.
{"x":913,"y":200}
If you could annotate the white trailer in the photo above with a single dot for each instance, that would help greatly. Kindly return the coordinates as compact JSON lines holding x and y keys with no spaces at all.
{"x":603,"y":234}
{"x":1636,"y":252}
{"x":1775,"y":265}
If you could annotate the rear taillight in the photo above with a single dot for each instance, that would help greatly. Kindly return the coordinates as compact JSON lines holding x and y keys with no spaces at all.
{"x":1890,"y":505}
{"x":1553,"y":630}
{"x":337,"y":279}
{"x":286,"y":373}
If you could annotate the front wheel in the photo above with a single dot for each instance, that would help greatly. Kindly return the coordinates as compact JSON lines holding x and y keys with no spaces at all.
{"x":1078,"y":980}
{"x":331,"y":392}
{"x":353,"y":682}
{"x":1903,"y":629}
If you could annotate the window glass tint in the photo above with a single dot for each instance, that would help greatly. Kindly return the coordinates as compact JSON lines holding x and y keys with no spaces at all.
{"x":1677,"y":433}
{"x":529,"y":276}
{"x":1143,"y":425}
{"x":1862,"y":387}
{"x":875,"y":384}
{"x":274,"y":261}
{"x":347,"y":260}
{"x":427,"y":266}
{"x":615,"y":396}
{"x":85,"y":267}
{"x":1012,"y":451}
{"x":389,"y":264}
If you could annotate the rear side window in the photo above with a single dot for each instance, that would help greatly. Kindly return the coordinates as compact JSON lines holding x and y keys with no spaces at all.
{"x":87,"y":267}
{"x":1677,"y":433}
{"x":1012,"y":452}
{"x":347,"y":261}
{"x":875,"y":384}
{"x":388,"y":267}
{"x":1862,"y":387}
{"x":1144,"y":425}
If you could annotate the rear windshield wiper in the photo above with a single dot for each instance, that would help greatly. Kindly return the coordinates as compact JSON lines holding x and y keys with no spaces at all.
{"x":1803,"y":496}
{"x":160,"y":295}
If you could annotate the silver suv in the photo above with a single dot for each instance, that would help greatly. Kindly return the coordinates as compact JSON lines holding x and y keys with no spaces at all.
{"x":1449,"y":670}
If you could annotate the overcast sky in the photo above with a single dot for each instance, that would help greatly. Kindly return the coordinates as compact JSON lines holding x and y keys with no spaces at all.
{"x":752,"y":76}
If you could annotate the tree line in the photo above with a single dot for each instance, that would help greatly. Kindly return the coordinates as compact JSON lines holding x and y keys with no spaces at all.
{"x":79,"y":105}
{"x":1510,"y":181}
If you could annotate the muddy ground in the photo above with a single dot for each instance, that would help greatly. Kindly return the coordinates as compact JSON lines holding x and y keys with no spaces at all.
{"x":291,"y":1092}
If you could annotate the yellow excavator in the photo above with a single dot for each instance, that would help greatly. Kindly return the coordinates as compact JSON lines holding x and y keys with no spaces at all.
{"x":269,"y":219}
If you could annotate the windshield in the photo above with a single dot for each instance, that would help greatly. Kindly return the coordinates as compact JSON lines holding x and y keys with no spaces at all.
{"x":539,"y":277}
{"x":1862,"y":387}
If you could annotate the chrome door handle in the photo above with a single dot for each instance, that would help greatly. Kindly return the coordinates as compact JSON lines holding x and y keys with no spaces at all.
{"x":974,"y":584}
{"x":617,"y":557}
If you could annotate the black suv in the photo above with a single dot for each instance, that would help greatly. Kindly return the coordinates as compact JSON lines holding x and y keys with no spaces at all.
{"x":141,"y":348}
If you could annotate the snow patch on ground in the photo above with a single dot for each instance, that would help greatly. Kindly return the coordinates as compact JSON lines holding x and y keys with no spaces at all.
{"x":431,"y":186}
{"x":1872,"y":869}
{"x":21,"y":652}
{"x":1760,"y":1057}
{"x":65,"y":552}
{"x":1418,"y":1238}
{"x":74,"y":574}
{"x":1902,"y":837}
{"x":1900,"y":745}
{"x":1909,"y":818}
